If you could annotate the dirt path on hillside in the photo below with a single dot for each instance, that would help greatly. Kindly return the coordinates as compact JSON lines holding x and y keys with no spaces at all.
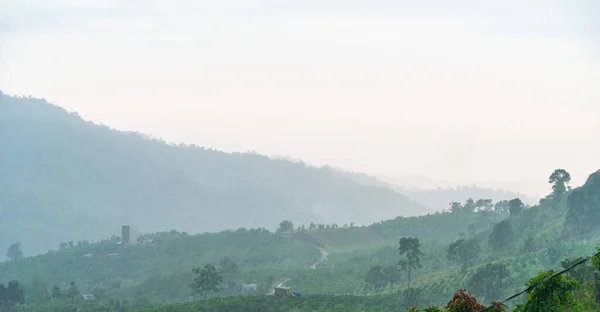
{"x":324,"y":255}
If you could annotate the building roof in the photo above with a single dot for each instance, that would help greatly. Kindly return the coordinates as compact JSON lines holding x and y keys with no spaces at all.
{"x":283,"y":287}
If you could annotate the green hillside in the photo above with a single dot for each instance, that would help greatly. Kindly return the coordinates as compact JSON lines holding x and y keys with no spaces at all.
{"x":63,"y":178}
{"x":505,"y":251}
{"x":108,"y":267}
{"x":66,"y":183}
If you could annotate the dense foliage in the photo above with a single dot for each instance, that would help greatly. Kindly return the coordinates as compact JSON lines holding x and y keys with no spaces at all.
{"x":165,"y":261}
{"x":553,"y":295}
{"x":584,"y":205}
{"x":361,"y":261}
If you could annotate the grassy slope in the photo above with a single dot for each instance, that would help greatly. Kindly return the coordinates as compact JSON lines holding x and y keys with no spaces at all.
{"x":359,"y":249}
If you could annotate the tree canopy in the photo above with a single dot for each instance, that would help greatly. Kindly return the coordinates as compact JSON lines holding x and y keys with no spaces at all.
{"x":559,"y":179}
{"x":515,"y":207}
{"x":207,"y":280}
{"x":584,"y":205}
{"x":286,"y":226}
{"x":410,"y":248}
{"x":14,"y":251}
{"x":464,"y":252}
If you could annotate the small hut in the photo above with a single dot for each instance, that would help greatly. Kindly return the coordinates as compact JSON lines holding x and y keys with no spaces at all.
{"x":282,"y":291}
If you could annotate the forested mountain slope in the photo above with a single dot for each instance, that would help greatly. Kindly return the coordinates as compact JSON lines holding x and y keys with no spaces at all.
{"x":63,"y":178}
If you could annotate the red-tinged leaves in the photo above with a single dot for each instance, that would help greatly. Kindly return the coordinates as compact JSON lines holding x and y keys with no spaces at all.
{"x":463,"y":302}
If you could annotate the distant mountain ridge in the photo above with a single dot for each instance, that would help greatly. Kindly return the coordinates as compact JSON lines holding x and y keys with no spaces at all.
{"x":63,"y":178}
{"x":438,"y":198}
{"x":531,"y":189}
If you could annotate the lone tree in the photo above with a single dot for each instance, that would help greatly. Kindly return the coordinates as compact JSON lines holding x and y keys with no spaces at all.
{"x":14,"y":252}
{"x":559,"y":180}
{"x":409,"y":247}
{"x":515,"y":207}
{"x":285,"y":227}
{"x":207,"y":280}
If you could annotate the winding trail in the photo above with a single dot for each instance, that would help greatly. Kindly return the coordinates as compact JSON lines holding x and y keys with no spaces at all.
{"x":324,"y":255}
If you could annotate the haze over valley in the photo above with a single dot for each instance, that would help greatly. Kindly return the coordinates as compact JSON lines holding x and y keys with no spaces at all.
{"x":88,"y":179}
{"x":299,"y":156}
{"x":474,"y":91}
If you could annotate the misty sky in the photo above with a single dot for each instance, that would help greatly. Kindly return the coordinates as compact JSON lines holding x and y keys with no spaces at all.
{"x":452,"y":90}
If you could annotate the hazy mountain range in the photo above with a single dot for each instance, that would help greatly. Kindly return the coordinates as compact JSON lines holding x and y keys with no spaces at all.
{"x":531,"y":189}
{"x":436,"y":195}
{"x":64,"y":178}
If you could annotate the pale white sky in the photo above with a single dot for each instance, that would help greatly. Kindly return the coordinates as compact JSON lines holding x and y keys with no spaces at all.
{"x":465,"y":90}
